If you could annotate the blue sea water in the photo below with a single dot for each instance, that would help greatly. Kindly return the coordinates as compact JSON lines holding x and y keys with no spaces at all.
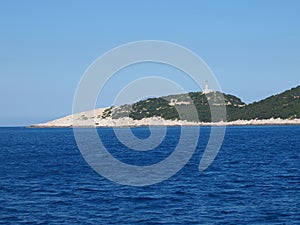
{"x":255,"y":179}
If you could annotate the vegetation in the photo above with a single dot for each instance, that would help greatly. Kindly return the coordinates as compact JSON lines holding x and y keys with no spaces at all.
{"x":107,"y":113}
{"x":285,"y":106}
{"x":153,"y":107}
{"x":175,"y":107}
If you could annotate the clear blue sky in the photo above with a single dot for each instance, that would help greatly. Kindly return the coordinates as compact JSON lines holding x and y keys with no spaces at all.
{"x":252,"y":46}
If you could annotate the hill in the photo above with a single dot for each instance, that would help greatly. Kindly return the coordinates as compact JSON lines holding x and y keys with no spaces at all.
{"x":282,"y":108}
{"x":285,"y":106}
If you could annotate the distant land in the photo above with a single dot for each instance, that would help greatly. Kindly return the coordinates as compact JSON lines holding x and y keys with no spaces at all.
{"x":283,"y":108}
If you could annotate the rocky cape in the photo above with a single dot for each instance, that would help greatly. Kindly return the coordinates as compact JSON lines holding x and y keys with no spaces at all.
{"x":280,"y":109}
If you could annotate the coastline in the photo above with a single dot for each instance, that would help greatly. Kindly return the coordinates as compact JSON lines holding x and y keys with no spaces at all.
{"x":69,"y":122}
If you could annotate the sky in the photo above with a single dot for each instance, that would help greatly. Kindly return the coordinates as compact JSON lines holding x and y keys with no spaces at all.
{"x":252,"y":46}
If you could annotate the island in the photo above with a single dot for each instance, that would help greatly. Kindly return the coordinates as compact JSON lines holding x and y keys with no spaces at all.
{"x":279,"y":109}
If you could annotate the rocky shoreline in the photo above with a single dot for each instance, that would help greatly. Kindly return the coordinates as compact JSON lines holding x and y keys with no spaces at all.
{"x":93,"y":119}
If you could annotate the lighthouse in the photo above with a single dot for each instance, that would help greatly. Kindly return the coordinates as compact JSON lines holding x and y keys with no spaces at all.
{"x":206,"y":89}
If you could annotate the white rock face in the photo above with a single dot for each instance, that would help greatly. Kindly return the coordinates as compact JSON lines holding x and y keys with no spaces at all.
{"x":94,"y":118}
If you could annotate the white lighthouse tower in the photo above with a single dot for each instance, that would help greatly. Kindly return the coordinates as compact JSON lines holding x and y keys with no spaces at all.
{"x":206,"y":89}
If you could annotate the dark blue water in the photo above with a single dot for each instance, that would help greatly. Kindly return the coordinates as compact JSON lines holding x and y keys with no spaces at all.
{"x":255,"y":179}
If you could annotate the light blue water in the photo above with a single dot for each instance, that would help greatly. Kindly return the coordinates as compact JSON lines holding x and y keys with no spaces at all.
{"x":255,"y":179}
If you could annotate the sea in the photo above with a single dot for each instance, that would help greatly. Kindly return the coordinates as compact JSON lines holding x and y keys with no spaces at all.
{"x":255,"y":179}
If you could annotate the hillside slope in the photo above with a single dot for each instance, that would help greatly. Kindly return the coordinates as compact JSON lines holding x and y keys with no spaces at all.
{"x":285,"y":106}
